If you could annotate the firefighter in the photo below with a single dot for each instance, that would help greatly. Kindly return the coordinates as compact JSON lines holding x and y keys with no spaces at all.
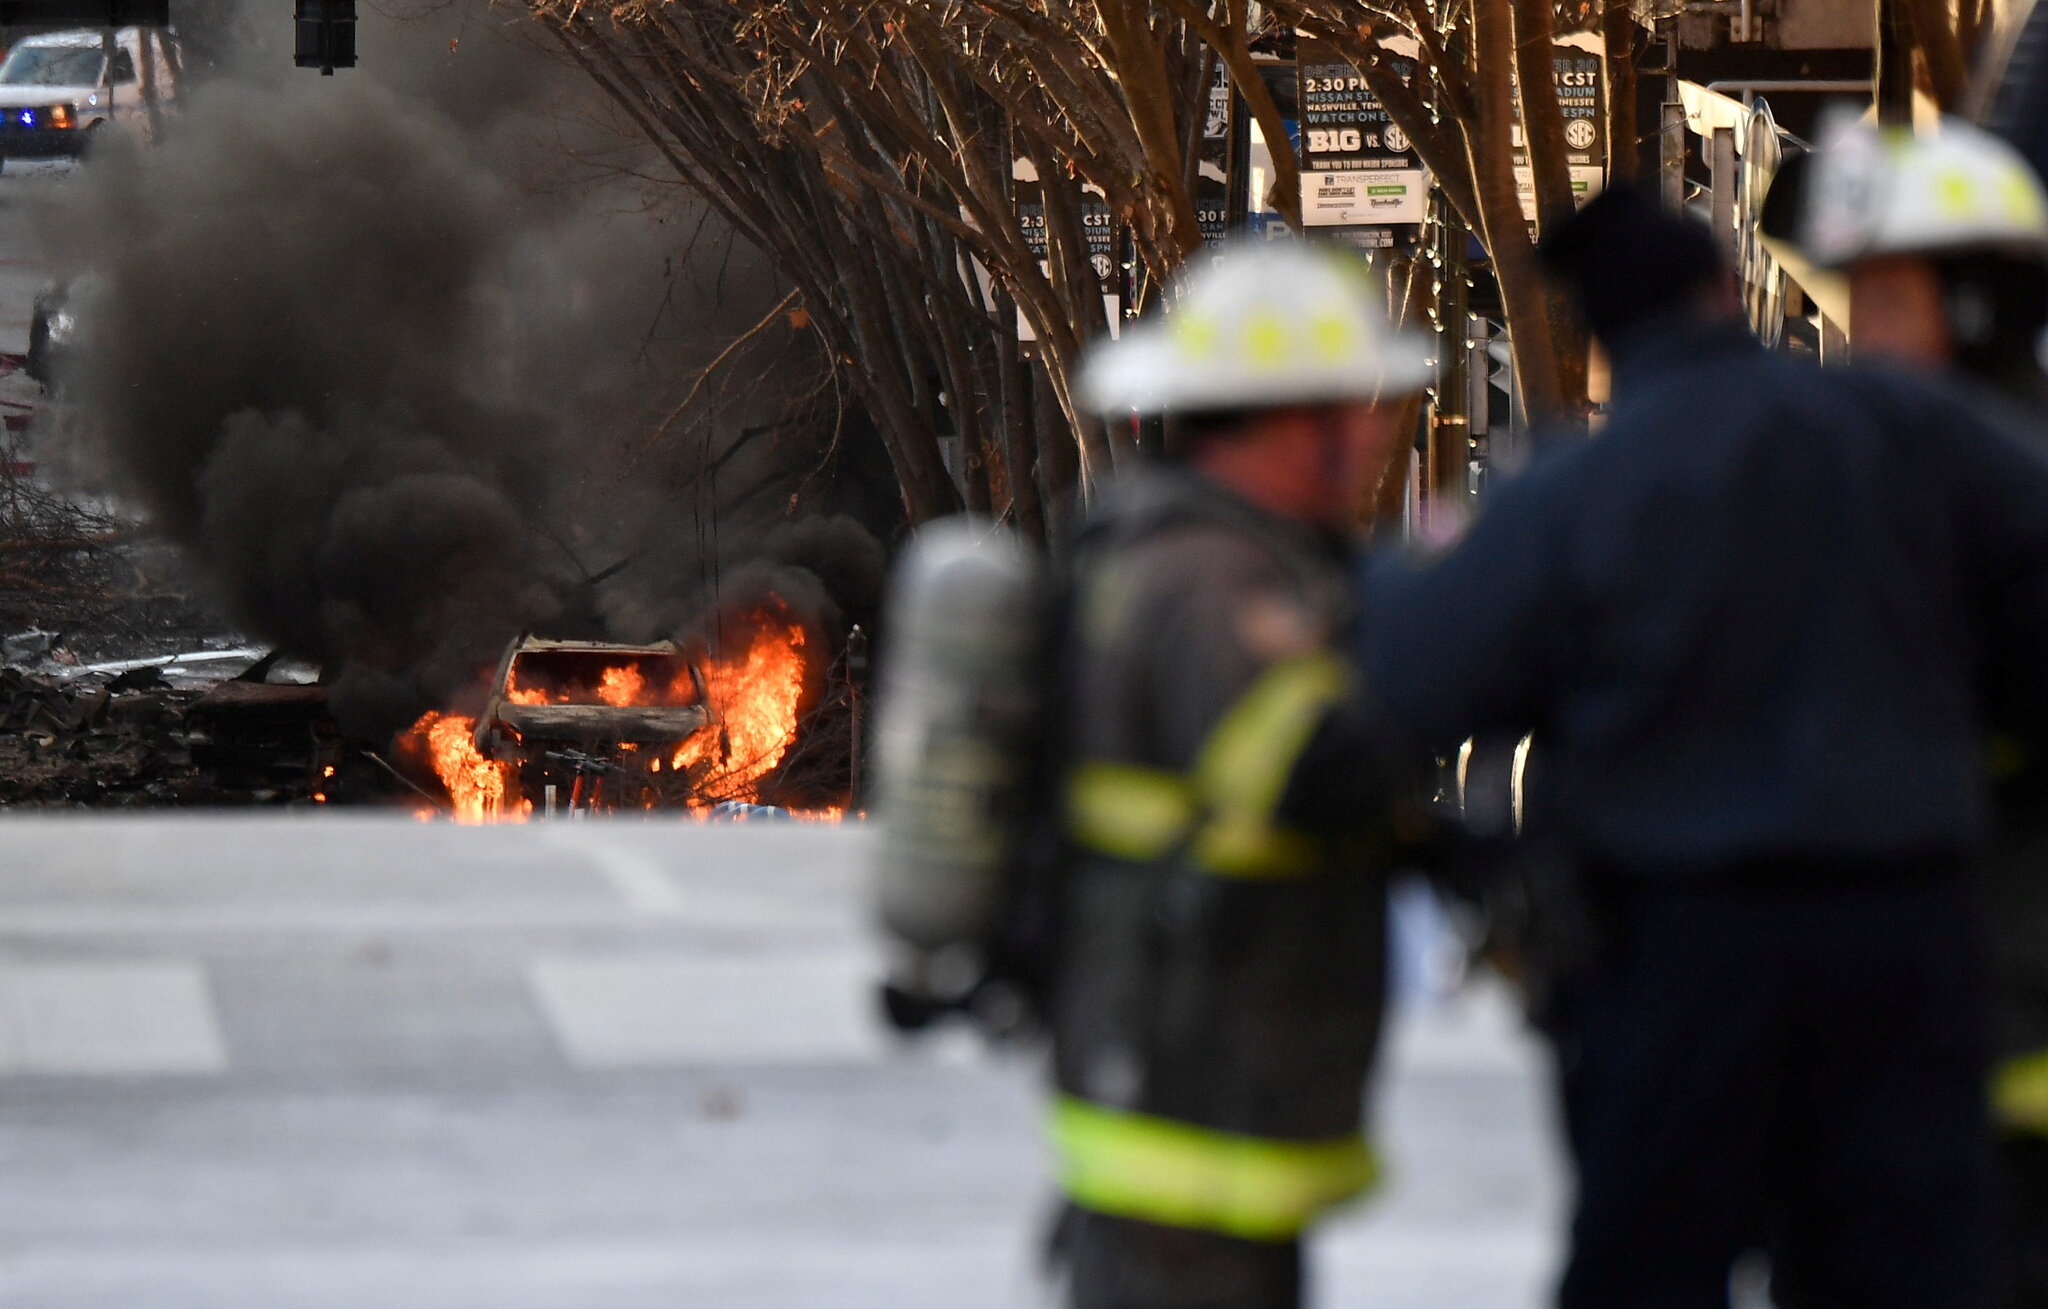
{"x":1215,"y":1000}
{"x":1746,"y":621}
{"x":1943,"y":238}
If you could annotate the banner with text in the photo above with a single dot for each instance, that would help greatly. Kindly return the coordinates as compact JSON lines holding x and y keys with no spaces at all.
{"x":1098,"y":228}
{"x":1361,"y":180}
{"x":1582,"y":95}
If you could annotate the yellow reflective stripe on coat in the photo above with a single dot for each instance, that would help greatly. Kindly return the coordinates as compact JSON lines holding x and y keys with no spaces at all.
{"x":1137,"y":1166}
{"x":2019,"y":1093}
{"x":1225,"y":810}
{"x":1244,"y":764}
{"x":1243,"y":769}
{"x":1134,"y":813}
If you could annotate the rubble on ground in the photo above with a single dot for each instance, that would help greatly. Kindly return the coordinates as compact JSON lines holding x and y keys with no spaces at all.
{"x":151,"y":733}
{"x":73,"y":744}
{"x":118,"y":685}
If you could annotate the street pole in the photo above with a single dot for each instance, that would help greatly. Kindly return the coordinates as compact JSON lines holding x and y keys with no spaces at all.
{"x":856,"y":680}
{"x":1450,"y":431}
{"x":1487,"y":445}
{"x":1671,"y":124}
{"x":1722,"y":164}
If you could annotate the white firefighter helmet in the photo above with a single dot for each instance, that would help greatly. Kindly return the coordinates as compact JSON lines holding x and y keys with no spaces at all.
{"x":1262,"y":325}
{"x":1885,"y":191}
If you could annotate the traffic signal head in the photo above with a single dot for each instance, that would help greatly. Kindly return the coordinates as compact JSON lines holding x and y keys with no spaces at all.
{"x":326,"y":34}
{"x":85,"y":13}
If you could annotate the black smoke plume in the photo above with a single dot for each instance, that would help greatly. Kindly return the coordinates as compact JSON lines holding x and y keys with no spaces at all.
{"x":403,"y":381}
{"x":282,"y":349}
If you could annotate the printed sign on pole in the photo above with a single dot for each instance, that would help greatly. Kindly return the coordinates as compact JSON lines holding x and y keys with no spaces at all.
{"x":1212,"y":176}
{"x":1361,"y":180}
{"x":1582,"y":95}
{"x":1098,"y":228}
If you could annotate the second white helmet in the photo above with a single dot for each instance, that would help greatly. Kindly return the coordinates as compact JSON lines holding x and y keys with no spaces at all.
{"x":1878,"y":191}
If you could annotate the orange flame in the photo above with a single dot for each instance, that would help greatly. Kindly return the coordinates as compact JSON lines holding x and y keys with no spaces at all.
{"x":476,"y":785}
{"x":753,"y":700}
{"x":622,"y":685}
{"x":753,"y":696}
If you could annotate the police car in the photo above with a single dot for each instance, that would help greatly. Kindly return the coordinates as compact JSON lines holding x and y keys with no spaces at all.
{"x":58,"y":89}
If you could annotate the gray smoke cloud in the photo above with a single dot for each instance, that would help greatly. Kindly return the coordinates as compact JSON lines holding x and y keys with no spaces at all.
{"x":396,"y":360}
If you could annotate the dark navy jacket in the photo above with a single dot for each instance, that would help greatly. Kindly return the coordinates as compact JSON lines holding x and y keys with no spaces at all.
{"x":1748,"y":621}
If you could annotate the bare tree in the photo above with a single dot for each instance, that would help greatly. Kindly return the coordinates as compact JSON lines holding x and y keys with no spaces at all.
{"x":1479,"y":67}
{"x":875,"y":149}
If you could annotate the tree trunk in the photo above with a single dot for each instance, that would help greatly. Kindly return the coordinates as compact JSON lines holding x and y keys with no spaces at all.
{"x":1934,"y":34}
{"x":1141,"y":67}
{"x":1391,"y":491}
{"x":1543,"y":132}
{"x":1059,"y":466}
{"x":1506,"y":232}
{"x":1074,"y":278}
{"x":1894,"y":63}
{"x":1020,"y":453}
{"x":1618,"y":31}
{"x":1542,"y":119}
{"x":928,"y":491}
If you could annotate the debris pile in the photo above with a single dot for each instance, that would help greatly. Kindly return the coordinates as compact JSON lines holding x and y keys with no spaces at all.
{"x":81,"y":578}
{"x":114,"y":744}
{"x":150,"y":734}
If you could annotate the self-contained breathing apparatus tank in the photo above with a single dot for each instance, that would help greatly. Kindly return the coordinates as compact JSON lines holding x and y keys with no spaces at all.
{"x":959,"y":707}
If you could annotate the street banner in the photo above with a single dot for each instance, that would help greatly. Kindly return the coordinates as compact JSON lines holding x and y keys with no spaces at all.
{"x":1098,"y":228}
{"x":1582,"y":95}
{"x":1212,"y":177}
{"x":1361,"y":180}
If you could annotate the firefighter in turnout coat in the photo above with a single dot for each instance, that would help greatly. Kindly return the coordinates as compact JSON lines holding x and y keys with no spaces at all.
{"x":1215,"y":996}
{"x":1942,"y":240}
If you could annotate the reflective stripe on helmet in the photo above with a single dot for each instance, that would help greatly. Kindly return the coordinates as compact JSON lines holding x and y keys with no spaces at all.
{"x":1156,"y":1169}
{"x":1223,"y":812}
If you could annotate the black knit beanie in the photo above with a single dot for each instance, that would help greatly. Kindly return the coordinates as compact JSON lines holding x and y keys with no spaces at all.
{"x":1628,"y":261}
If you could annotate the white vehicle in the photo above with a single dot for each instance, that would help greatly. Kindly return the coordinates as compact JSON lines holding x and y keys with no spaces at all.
{"x":59,"y":88}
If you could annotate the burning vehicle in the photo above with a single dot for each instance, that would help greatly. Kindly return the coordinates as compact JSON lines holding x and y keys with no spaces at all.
{"x":581,"y":726}
{"x":576,"y":719}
